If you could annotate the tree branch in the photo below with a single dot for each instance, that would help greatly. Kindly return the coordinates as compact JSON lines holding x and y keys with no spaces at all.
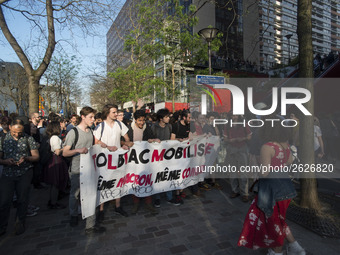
{"x":3,"y":1}
{"x":51,"y":40}
{"x":14,"y":44}
{"x":64,"y":7}
{"x":24,"y":12}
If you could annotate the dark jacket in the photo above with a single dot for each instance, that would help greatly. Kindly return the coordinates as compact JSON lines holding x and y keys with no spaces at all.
{"x":32,"y":130}
{"x":147,"y":132}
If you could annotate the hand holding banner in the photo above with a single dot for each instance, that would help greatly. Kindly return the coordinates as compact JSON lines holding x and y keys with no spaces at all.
{"x":144,"y":170}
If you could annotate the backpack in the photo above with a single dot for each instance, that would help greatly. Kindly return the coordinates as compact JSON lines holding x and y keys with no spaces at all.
{"x":76,"y":138}
{"x":102,"y":124}
{"x":45,"y":152}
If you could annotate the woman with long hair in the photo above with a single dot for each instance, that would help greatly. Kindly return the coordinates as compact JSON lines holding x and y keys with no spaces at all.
{"x":55,"y":171}
{"x":265,"y":224}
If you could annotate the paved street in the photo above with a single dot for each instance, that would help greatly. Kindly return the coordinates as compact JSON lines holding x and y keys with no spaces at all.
{"x":209,"y":225}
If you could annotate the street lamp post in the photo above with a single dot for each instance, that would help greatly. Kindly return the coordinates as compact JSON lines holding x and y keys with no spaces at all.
{"x":209,"y":34}
{"x":288,"y":38}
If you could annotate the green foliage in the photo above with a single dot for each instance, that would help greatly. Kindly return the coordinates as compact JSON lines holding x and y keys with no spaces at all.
{"x":176,"y":40}
{"x":61,"y":80}
{"x":132,"y":83}
{"x":206,"y":72}
{"x":162,"y":33}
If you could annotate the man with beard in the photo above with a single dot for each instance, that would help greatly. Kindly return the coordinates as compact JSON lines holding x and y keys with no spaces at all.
{"x":181,"y":131}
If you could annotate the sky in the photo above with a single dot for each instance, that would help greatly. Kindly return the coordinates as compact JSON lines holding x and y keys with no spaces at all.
{"x":90,"y":51}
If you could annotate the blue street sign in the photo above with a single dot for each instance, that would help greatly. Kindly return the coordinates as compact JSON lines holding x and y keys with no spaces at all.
{"x":209,"y":79}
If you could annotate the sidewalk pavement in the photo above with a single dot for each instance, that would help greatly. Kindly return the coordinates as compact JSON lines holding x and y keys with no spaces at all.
{"x":209,"y":225}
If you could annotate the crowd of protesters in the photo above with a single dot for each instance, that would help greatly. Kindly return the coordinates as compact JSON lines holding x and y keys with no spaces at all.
{"x":321,"y":63}
{"x":46,"y":153}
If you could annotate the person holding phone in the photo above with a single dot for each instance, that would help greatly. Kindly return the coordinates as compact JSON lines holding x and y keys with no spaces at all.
{"x":18,"y":151}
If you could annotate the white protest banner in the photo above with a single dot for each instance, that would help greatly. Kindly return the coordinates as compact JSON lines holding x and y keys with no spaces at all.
{"x":144,"y":170}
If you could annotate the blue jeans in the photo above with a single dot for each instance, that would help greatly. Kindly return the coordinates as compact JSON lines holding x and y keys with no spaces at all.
{"x":21,"y":185}
{"x":74,"y":200}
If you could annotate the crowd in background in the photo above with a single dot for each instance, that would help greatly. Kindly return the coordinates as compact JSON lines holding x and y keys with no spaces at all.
{"x":59,"y":142}
{"x":321,"y":63}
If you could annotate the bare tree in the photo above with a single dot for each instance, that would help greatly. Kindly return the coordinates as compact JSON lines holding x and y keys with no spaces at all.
{"x":100,"y":91}
{"x":57,"y":15}
{"x":50,"y":96}
{"x":61,"y":76}
{"x":13,"y":87}
{"x":74,"y":94}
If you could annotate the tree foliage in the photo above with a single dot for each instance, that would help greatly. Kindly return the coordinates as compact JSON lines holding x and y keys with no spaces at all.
{"x":61,"y":83}
{"x":137,"y":79}
{"x":161,"y":40}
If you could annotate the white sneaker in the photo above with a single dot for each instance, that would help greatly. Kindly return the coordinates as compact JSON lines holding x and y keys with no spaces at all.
{"x":31,"y":213}
{"x":295,"y":249}
{"x":33,"y":208}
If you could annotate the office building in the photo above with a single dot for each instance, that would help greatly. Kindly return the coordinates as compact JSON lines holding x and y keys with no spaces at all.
{"x":270,"y":30}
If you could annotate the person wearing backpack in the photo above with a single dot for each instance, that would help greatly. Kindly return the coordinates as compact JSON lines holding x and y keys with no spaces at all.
{"x":55,"y":170}
{"x":73,"y":122}
{"x":77,"y":142}
{"x":108,"y":135}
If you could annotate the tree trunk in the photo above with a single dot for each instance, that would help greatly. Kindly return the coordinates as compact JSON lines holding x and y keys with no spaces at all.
{"x":68,"y":105}
{"x":304,"y":30}
{"x":173,"y":86}
{"x":33,"y":95}
{"x":309,"y":193}
{"x":61,"y":96}
{"x":34,"y":75}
